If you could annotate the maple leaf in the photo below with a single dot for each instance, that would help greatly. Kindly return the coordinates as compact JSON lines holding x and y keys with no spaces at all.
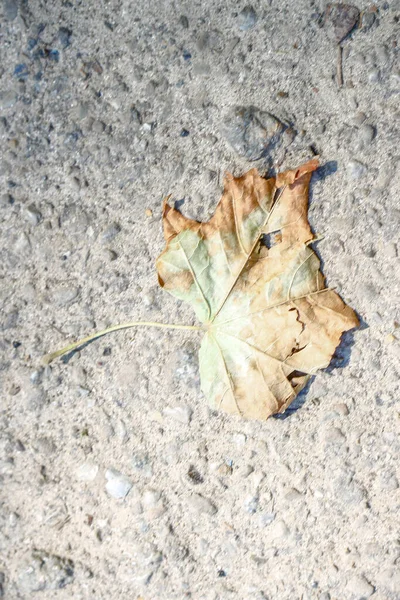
{"x":270,"y":322}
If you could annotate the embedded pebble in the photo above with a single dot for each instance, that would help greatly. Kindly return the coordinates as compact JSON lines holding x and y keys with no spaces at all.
{"x":64,"y":36}
{"x":265,"y":519}
{"x":7,"y":99}
{"x":341,"y":409}
{"x":254,"y":133}
{"x":87,"y":472}
{"x":292,"y":495}
{"x":368,"y":20}
{"x":388,"y":481}
{"x":118,"y":485}
{"x":141,"y":464}
{"x":389,"y":579}
{"x":33,"y":215}
{"x":111,"y":232}
{"x":98,"y":127}
{"x":346,"y":490}
{"x":339,"y":20}
{"x":247,"y":18}
{"x":356,"y":169}
{"x":10,"y":9}
{"x":333,"y":435}
{"x":278,"y":530}
{"x":367,"y":133}
{"x":182,"y":414}
{"x":359,"y":586}
{"x":200,"y":505}
{"x":251,"y":503}
{"x":65,"y":295}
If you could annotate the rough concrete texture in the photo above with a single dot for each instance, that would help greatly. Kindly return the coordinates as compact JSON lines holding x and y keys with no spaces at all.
{"x":117,"y":480}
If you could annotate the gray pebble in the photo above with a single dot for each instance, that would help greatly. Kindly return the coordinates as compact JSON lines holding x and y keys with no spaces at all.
{"x":333,"y":435}
{"x":360,"y":587}
{"x":111,"y":232}
{"x":64,"y":35}
{"x":184,"y":22}
{"x":7,"y":99}
{"x":356,"y":169}
{"x":182,"y":414}
{"x":10,"y":9}
{"x":118,"y":485}
{"x":11,"y":319}
{"x":141,"y":464}
{"x":83,"y":110}
{"x":253,"y":133}
{"x":200,"y":505}
{"x":368,"y":20}
{"x":247,"y":18}
{"x":98,"y":127}
{"x":293,"y":495}
{"x":346,"y":490}
{"x":266,"y":519}
{"x":367,"y":133}
{"x":65,"y":295}
{"x":45,"y":445}
{"x":6,"y":200}
{"x":382,"y":54}
{"x":33,"y":215}
{"x":374,"y":76}
{"x":36,"y":377}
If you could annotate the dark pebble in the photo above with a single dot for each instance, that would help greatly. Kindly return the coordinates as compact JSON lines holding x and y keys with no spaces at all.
{"x":21,"y":71}
{"x":184,"y":133}
{"x":54,"y":55}
{"x":64,"y":35}
{"x":340,"y":20}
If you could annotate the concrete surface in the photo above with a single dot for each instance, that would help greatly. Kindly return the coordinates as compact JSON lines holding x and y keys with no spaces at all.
{"x":117,"y":481}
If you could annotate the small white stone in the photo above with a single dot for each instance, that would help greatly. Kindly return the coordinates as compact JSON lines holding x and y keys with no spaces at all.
{"x":150,"y":498}
{"x":266,"y":519}
{"x":118,"y":486}
{"x":182,"y":414}
{"x":198,"y":504}
{"x":87,"y":472}
{"x":356,"y":169}
{"x":250,"y":504}
{"x":360,"y":587}
{"x":278,"y":530}
{"x":239,"y":439}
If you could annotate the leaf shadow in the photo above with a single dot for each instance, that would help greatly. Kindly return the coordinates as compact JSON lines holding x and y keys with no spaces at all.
{"x":70,"y":355}
{"x":297,"y":403}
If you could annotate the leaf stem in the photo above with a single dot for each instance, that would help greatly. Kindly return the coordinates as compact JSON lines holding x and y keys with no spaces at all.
{"x":48,"y":358}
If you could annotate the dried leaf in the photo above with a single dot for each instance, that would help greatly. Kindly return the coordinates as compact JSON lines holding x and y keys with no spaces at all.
{"x":270,"y":322}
